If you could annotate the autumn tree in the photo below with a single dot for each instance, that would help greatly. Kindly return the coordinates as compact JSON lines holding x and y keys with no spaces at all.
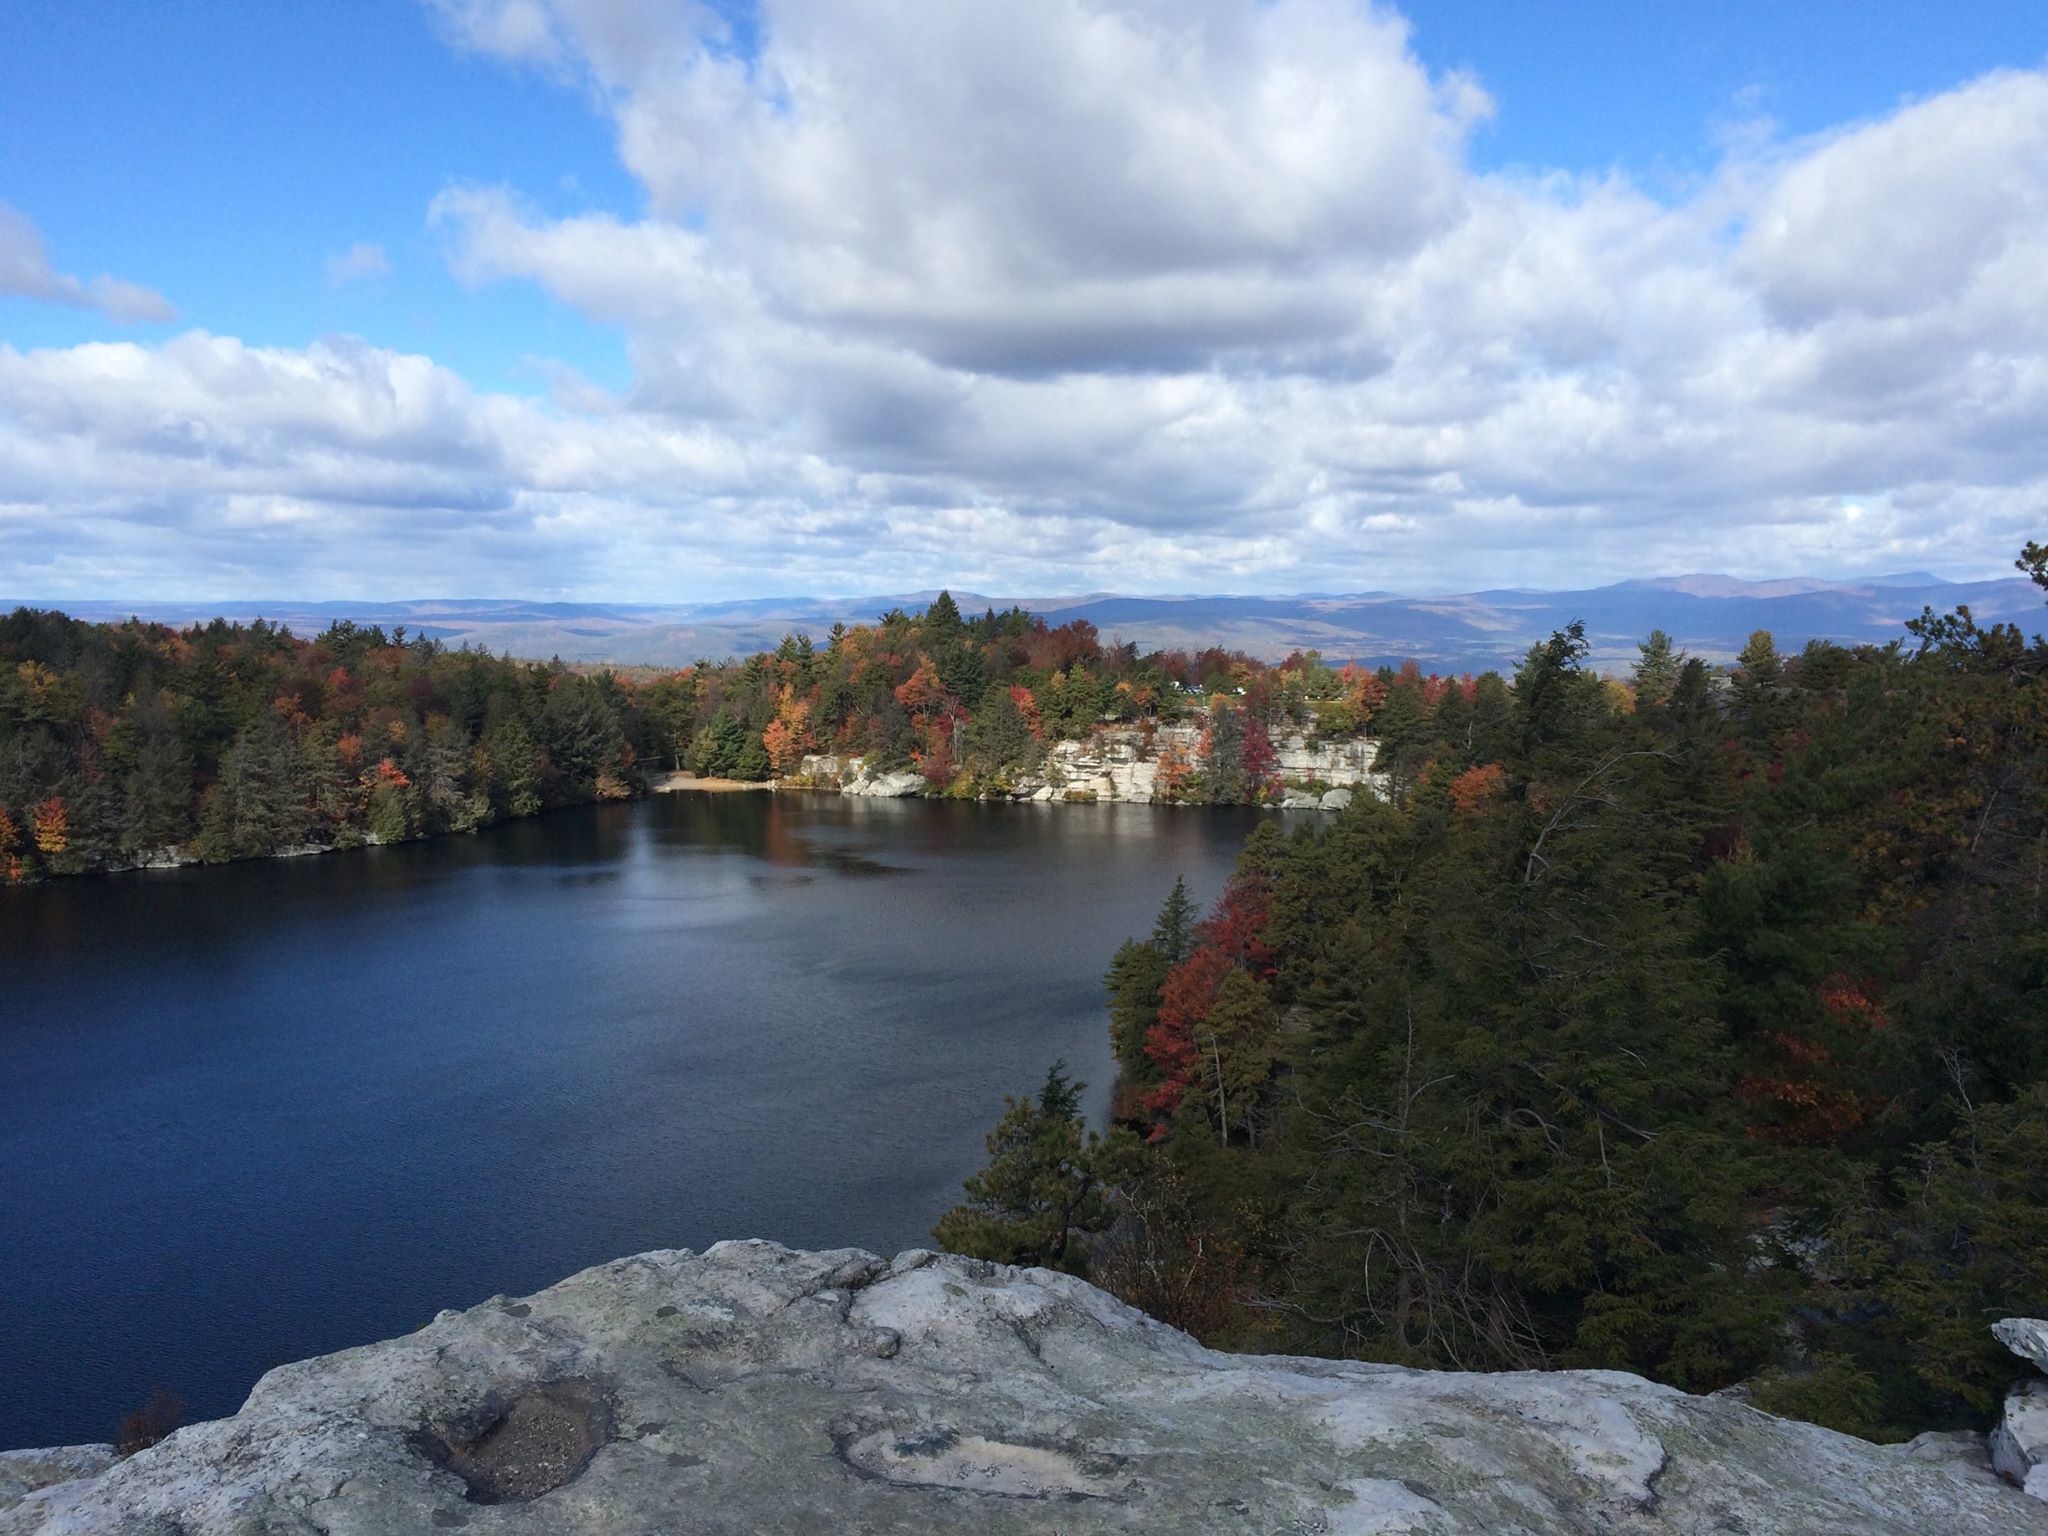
{"x":788,"y":734}
{"x":10,"y":848}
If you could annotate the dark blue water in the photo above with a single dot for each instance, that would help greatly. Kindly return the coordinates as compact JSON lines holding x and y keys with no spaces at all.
{"x":254,"y":1113}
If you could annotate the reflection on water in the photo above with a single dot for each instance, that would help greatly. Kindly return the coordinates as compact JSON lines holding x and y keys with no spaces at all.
{"x":258,"y":1112}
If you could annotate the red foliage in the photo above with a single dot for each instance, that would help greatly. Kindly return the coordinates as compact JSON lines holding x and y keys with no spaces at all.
{"x":1230,"y":938}
{"x":1237,"y":925}
{"x":1184,"y":1002}
{"x":1259,"y":756}
{"x":1057,"y":650}
{"x":1812,"y":1104}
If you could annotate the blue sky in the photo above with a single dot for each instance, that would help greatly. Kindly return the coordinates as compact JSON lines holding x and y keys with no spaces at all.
{"x":640,"y":308}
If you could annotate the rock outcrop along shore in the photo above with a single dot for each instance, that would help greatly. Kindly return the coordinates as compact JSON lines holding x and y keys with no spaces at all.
{"x":1124,"y":763}
{"x":756,"y":1389}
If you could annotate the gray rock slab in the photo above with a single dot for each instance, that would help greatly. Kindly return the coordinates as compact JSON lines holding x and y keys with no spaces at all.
{"x":2026,"y":1337}
{"x":755,"y":1389}
{"x":24,"y":1472}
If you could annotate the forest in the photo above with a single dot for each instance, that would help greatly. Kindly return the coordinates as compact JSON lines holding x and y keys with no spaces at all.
{"x":973,"y":703}
{"x":1693,"y":1024}
{"x":133,"y":743}
{"x":123,"y":744}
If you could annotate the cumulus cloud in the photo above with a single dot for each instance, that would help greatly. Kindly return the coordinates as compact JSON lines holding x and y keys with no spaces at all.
{"x":359,"y":261}
{"x":1149,"y":294}
{"x":25,"y":271}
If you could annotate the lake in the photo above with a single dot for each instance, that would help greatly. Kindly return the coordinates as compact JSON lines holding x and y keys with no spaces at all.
{"x":259,"y":1112}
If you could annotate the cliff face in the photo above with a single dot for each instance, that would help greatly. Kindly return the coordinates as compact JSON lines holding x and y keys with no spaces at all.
{"x":758,"y":1389}
{"x":1117,"y":764}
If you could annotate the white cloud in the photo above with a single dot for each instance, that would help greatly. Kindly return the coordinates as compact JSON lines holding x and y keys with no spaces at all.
{"x":1149,"y":294}
{"x":25,"y":271}
{"x":361,"y":260}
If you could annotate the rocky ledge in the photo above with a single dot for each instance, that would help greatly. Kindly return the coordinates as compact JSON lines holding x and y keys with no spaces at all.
{"x":758,"y":1389}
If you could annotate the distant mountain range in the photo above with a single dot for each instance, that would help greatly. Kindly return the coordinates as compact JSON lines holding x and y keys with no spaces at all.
{"x":1708,"y":615}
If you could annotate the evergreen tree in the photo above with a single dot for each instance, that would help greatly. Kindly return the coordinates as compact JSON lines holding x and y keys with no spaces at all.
{"x":942,"y":626}
{"x":1656,"y":674}
{"x":962,"y":674}
{"x":1173,"y":935}
{"x":1045,"y":1187}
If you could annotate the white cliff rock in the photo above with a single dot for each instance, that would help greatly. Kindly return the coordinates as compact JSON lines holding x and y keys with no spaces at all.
{"x":850,"y":776}
{"x":1119,"y":763}
{"x":2019,"y":1446}
{"x":757,"y":1389}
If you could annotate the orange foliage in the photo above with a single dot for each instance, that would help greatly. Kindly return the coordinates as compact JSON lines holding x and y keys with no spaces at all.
{"x":10,"y":848}
{"x":788,"y":735}
{"x":52,"y":827}
{"x":1363,"y":692}
{"x":1027,"y":705}
{"x":388,"y":774}
{"x":1175,"y":772}
{"x":1814,"y":1115}
{"x":1471,"y":789}
{"x":922,"y":692}
{"x":1848,"y":1003}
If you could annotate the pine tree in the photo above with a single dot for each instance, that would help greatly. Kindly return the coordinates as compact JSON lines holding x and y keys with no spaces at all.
{"x":1046,"y":1186}
{"x":1656,"y":673}
{"x":1173,"y":935}
{"x":942,"y":623}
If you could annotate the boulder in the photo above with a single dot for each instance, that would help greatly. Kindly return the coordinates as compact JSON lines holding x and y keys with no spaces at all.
{"x":759,"y":1389}
{"x":889,"y":786}
{"x":2019,"y":1446}
{"x":1336,"y":799}
{"x":2026,"y":1337}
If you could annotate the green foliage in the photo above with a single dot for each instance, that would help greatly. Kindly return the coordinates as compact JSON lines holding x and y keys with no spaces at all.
{"x":1173,"y":935}
{"x":128,"y":742}
{"x":1045,"y":1187}
{"x":1699,"y":1029}
{"x":1656,"y":675}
